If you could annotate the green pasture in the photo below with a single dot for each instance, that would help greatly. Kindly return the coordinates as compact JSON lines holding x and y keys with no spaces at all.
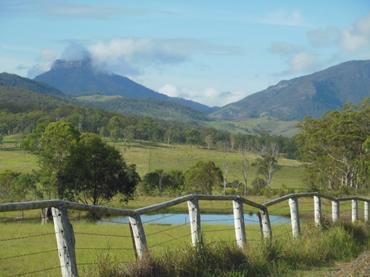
{"x":36,"y":248}
{"x":149,"y":156}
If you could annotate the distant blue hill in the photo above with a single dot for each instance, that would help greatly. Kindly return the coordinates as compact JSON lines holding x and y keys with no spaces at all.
{"x":310,"y":95}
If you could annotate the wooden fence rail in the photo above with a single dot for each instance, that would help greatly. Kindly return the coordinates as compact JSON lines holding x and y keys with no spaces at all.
{"x":65,"y":235}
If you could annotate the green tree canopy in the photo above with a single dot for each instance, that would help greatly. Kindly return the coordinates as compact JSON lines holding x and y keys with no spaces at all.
{"x":95,"y":172}
{"x":335,"y":147}
{"x":56,"y":142}
{"x":160,"y":180}
{"x":203,"y":177}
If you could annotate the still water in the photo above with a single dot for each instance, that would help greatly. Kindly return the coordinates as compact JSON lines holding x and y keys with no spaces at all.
{"x":215,"y":219}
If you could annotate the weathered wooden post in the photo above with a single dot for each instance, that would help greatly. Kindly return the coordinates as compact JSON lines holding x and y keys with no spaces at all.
{"x":294,"y":216}
{"x":138,"y":236}
{"x":335,"y":210}
{"x":354,"y":210}
{"x":65,"y":242}
{"x":366,"y":211}
{"x":265,"y":224}
{"x":317,"y":210}
{"x":239,"y":223}
{"x":194,"y":218}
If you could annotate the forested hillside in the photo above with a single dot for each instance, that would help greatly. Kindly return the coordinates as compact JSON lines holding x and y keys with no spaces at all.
{"x":22,"y":111}
{"x":151,"y":108}
{"x":12,"y":80}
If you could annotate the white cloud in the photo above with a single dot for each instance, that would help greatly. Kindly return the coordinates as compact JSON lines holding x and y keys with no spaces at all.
{"x":209,"y":95}
{"x":132,"y":55}
{"x":284,"y":18}
{"x":44,"y":62}
{"x":169,"y":90}
{"x":357,"y":36}
{"x":352,"y":39}
{"x":301,"y":62}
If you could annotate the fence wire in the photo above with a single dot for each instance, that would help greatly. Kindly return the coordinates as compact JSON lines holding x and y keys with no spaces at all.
{"x":29,"y":249}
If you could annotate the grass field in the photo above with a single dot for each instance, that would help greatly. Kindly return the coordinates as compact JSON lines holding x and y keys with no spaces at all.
{"x":150,"y":156}
{"x":92,"y":242}
{"x":31,"y":247}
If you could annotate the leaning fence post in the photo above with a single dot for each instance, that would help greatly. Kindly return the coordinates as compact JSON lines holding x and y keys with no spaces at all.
{"x":354,"y":210}
{"x":294,"y":216}
{"x":194,"y":218}
{"x":317,"y":210}
{"x":366,"y":211}
{"x":265,"y":224}
{"x":335,"y":210}
{"x":65,"y":242}
{"x":138,"y":236}
{"x":239,"y":223}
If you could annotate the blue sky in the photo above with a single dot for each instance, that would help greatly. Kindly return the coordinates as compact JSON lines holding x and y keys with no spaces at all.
{"x":214,"y":52}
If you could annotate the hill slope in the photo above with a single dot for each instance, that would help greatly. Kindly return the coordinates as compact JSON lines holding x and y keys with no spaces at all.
{"x":12,"y":80}
{"x":149,"y":108}
{"x":310,"y":95}
{"x":18,"y":100}
{"x":80,"y":77}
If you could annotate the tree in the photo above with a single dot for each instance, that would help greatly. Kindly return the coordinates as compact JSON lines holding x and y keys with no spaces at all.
{"x":267,"y":164}
{"x":1,"y":139}
{"x":32,"y":142}
{"x":160,"y":180}
{"x":334,"y":148}
{"x":56,"y":145}
{"x":114,"y":127}
{"x":245,"y":172}
{"x":209,"y":141}
{"x":95,"y":172}
{"x":203,"y":177}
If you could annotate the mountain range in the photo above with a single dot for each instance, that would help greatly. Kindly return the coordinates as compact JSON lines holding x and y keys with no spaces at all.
{"x":311,"y":95}
{"x":276,"y":109}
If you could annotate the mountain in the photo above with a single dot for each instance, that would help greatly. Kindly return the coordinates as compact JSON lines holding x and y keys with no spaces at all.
{"x":158,"y":109}
{"x":15,"y":81}
{"x":310,"y":95}
{"x":80,"y":77}
{"x":20,"y":100}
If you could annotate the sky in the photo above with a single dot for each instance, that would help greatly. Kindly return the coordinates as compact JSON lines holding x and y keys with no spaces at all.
{"x":214,"y":52}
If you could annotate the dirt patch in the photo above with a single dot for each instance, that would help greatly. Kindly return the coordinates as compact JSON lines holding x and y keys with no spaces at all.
{"x":357,"y":268}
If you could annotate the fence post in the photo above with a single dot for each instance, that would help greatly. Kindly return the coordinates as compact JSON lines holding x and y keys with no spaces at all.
{"x":239,"y":223}
{"x":138,"y":236}
{"x":317,"y":210}
{"x":194,"y":218}
{"x":335,"y":210}
{"x":366,"y":211}
{"x":294,"y":216}
{"x":65,"y":242}
{"x":265,"y":224}
{"x":354,"y":210}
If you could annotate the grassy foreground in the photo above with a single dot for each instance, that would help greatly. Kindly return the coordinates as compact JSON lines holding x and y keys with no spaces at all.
{"x":106,"y":250}
{"x":281,"y":257}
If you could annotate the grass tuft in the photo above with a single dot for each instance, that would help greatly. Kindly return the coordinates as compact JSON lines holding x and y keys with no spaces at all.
{"x":315,"y":248}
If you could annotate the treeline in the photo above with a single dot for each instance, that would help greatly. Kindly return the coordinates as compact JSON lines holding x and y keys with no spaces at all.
{"x":120,"y":127}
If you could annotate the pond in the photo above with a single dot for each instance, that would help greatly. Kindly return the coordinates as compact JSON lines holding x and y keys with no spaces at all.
{"x":183,"y":218}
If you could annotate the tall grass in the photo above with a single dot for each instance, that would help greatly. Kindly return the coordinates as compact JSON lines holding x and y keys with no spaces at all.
{"x":315,"y":248}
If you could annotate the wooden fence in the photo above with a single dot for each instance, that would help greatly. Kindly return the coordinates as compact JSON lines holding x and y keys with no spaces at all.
{"x":66,"y":241}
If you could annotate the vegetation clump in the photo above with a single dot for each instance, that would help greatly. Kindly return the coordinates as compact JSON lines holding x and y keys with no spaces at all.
{"x":280,"y":256}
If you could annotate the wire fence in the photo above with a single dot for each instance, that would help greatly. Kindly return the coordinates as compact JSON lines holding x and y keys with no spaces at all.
{"x":28,"y":248}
